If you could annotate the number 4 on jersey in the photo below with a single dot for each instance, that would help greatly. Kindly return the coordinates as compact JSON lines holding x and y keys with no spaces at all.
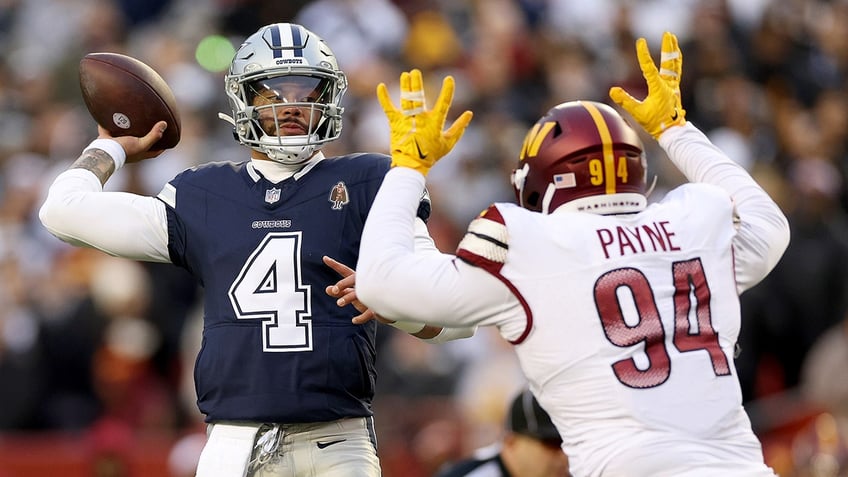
{"x":270,"y":288}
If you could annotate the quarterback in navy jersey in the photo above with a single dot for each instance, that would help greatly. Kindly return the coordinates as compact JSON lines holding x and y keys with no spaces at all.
{"x":286,"y":374}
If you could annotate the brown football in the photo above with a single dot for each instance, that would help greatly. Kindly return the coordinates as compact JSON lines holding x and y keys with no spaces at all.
{"x":127,"y":97}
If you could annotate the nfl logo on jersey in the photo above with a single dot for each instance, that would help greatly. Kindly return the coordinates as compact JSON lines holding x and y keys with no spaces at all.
{"x":272,"y":195}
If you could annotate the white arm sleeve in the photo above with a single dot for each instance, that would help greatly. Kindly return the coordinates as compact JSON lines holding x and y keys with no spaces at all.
{"x":423,"y":241}
{"x":424,"y":244}
{"x":79,"y":212}
{"x":763,"y":231}
{"x":433,"y":288}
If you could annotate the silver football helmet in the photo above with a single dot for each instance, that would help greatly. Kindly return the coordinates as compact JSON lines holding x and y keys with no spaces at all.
{"x":285,"y":89}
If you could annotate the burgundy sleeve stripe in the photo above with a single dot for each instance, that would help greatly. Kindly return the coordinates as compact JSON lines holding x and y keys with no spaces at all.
{"x":484,"y":246}
{"x":495,"y":269}
{"x":491,"y":266}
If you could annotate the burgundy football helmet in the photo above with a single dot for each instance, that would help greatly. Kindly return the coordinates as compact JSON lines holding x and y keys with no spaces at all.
{"x":585,"y":155}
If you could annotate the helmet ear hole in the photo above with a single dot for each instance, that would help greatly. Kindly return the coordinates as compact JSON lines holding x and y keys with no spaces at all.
{"x":557,"y":130}
{"x":533,"y":200}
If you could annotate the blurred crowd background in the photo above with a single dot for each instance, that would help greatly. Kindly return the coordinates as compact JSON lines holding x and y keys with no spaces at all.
{"x":96,"y":353}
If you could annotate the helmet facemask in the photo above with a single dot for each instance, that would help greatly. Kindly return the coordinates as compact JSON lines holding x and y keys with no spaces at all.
{"x":288,"y":117}
{"x":285,"y":99}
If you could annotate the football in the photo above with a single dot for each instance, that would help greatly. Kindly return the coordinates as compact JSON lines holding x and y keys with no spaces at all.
{"x":127,"y":97}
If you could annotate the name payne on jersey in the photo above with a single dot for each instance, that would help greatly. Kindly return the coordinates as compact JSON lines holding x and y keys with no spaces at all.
{"x":643,"y":238}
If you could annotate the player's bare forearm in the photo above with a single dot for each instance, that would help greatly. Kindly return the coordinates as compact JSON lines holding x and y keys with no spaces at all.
{"x":428,"y":332}
{"x":98,"y":162}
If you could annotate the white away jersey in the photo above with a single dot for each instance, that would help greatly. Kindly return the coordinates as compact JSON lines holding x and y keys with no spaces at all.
{"x":624,"y":325}
{"x":631,"y":326}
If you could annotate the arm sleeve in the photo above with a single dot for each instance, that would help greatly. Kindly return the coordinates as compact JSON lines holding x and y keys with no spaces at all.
{"x":423,"y":241}
{"x":433,"y":288}
{"x":79,"y":212}
{"x":424,"y":244}
{"x":762,"y":229}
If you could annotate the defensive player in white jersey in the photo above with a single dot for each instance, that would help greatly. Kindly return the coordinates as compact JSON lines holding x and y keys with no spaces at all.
{"x":624,"y":315}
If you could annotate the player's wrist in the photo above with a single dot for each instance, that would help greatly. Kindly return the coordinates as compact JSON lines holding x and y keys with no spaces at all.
{"x":671,"y":128}
{"x":403,"y":160}
{"x":111,"y":147}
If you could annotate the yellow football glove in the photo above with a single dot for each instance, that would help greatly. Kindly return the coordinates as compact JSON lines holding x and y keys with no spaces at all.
{"x":661,"y":109}
{"x":417,"y":136}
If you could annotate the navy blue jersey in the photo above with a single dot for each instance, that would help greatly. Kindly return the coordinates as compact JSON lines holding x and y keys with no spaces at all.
{"x":275,"y":347}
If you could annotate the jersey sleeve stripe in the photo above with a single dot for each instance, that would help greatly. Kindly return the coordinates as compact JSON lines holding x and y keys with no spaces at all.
{"x":494,"y":268}
{"x":168,"y":195}
{"x":486,"y":239}
{"x":483,"y":246}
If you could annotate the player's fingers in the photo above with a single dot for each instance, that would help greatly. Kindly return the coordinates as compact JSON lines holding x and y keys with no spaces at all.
{"x":363,"y":318}
{"x":404,"y":91}
{"x":360,"y":307}
{"x":646,"y":63}
{"x":457,"y":129}
{"x":338,"y":288}
{"x":157,"y":130}
{"x":671,"y":59}
{"x":412,"y":93}
{"x":623,"y":98}
{"x":416,"y":85}
{"x":337,"y":266}
{"x":443,"y":102}
{"x":153,"y":135}
{"x":385,"y":100}
{"x":347,"y":296}
{"x":140,"y":148}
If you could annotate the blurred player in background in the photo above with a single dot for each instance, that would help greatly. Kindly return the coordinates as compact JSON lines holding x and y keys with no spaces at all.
{"x":284,"y":378}
{"x":624,"y":316}
{"x":531,"y":447}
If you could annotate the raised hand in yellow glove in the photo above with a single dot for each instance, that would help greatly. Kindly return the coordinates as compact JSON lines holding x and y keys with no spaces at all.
{"x":661,"y":108}
{"x":417,"y":136}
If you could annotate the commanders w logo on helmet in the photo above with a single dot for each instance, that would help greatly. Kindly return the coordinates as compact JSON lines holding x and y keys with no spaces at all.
{"x":584,"y":155}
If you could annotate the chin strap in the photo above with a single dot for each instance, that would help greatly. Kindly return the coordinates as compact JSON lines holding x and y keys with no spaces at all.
{"x":227,"y":118}
{"x":651,"y":188}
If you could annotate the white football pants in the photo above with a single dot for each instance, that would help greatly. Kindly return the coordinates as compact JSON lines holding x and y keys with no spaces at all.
{"x":343,"y":448}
